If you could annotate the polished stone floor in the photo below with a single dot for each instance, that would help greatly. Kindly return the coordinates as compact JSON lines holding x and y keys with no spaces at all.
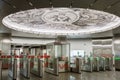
{"x":108,"y":75}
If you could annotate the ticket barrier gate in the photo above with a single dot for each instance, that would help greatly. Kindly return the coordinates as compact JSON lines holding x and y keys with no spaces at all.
{"x":117,"y":63}
{"x":25,"y":66}
{"x":108,"y":63}
{"x":55,"y":69}
{"x":37,"y":68}
{"x":95,"y":64}
{"x":0,"y":69}
{"x":89,"y":65}
{"x":102,"y":64}
{"x":77,"y":66}
{"x":13,"y":69}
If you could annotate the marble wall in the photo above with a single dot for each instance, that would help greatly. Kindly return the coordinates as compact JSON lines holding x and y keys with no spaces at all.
{"x":5,"y":43}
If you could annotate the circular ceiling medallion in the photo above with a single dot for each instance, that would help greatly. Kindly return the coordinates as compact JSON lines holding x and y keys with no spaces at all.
{"x":60,"y":16}
{"x":61,"y":21}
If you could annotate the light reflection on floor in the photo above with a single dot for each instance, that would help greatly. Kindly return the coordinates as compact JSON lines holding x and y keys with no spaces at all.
{"x":108,"y":75}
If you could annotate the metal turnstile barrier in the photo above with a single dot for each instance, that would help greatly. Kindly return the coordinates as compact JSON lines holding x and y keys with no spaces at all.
{"x":37,"y":68}
{"x":80,"y":65}
{"x":77,"y":67}
{"x":40,"y":64}
{"x":13,"y":69}
{"x":108,"y":64}
{"x":102,"y":64}
{"x":96,"y":64}
{"x":117,"y":63}
{"x":0,"y":69}
{"x":55,"y":70}
{"x":25,"y":67}
{"x":28,"y":68}
{"x":89,"y":65}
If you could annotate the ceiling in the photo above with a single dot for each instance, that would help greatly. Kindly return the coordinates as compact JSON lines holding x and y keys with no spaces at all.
{"x":11,"y":6}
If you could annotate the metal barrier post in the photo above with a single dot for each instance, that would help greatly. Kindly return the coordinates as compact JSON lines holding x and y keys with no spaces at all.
{"x":56,"y":69}
{"x":91,"y":65}
{"x":41,"y":68}
{"x":80,"y":64}
{"x":97,"y":64}
{"x":28,"y":68}
{"x":110,"y":64}
{"x":15,"y":69}
{"x":0,"y":69}
{"x":103,"y":64}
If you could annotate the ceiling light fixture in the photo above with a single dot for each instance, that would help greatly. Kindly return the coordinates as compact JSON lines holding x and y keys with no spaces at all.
{"x":50,"y":3}
{"x":92,"y":4}
{"x":71,"y":3}
{"x":113,"y":4}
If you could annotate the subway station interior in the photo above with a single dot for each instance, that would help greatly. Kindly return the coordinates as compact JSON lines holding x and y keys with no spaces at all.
{"x":59,"y":39}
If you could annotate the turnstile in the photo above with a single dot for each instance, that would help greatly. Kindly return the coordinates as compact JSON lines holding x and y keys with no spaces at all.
{"x":96,"y":64}
{"x":109,"y":63}
{"x":80,"y":65}
{"x":89,"y":65}
{"x":25,"y":66}
{"x":102,"y":64}
{"x":55,"y":69}
{"x":0,"y":69}
{"x":13,"y":69}
{"x":117,"y":63}
{"x":76,"y":67}
{"x":37,"y":68}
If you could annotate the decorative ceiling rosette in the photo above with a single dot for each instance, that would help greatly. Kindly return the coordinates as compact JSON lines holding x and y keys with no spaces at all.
{"x":61,"y":21}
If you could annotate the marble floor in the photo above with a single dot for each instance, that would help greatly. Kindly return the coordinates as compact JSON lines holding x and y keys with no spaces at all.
{"x":108,"y":75}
